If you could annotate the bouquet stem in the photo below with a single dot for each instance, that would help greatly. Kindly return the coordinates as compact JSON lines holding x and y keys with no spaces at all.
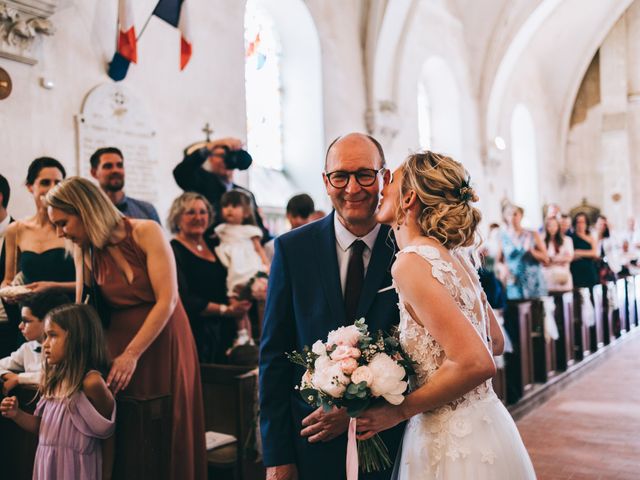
{"x":373,"y":455}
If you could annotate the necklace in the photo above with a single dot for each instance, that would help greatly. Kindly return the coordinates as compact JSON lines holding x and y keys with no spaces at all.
{"x":199,"y":247}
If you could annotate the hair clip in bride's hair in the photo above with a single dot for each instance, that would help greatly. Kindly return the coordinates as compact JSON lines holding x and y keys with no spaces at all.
{"x":466,"y":193}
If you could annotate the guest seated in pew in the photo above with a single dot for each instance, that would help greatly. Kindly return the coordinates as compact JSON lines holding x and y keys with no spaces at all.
{"x":76,"y":410}
{"x":202,"y":279}
{"x":583,"y":267}
{"x":24,"y":365}
{"x":560,"y":251}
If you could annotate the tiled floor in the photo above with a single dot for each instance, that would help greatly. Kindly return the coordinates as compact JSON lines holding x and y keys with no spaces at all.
{"x":591,"y":429}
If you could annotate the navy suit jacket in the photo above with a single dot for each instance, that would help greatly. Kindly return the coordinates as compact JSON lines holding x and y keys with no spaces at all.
{"x":304,"y":303}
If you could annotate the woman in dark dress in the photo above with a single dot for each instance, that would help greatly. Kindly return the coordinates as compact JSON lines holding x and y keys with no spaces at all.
{"x":35,"y":256}
{"x":32,"y":246}
{"x":202,"y":278}
{"x":583,"y":267}
{"x":148,"y":334}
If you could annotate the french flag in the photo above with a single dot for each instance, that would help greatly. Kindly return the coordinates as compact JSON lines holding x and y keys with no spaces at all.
{"x":175,"y":13}
{"x":127,"y":50}
{"x":127,"y":34}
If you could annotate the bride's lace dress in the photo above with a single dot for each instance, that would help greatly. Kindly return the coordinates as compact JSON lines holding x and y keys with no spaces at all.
{"x":473,"y":437}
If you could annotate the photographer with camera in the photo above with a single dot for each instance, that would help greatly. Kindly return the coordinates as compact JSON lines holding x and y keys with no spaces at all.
{"x":223,"y":156}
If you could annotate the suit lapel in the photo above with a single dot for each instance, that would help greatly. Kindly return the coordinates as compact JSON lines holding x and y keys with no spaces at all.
{"x":379,"y":267}
{"x":328,"y":267}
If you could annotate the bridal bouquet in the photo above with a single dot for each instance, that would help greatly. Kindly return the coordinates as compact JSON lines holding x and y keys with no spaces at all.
{"x":352,"y":369}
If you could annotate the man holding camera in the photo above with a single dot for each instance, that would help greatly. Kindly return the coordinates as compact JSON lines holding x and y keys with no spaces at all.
{"x":224,"y":156}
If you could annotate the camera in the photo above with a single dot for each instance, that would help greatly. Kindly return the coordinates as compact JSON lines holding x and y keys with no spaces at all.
{"x":237,"y":159}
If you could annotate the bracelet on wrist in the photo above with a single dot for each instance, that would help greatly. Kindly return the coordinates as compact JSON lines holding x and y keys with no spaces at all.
{"x":223,"y":308}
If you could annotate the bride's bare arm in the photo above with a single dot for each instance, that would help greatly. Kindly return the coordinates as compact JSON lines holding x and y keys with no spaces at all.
{"x":467,"y":364}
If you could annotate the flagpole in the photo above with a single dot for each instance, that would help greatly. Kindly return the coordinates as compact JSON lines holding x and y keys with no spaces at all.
{"x":145,"y":26}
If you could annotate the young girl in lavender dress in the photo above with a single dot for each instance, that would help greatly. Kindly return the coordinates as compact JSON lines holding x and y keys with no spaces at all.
{"x":242,"y":254}
{"x":76,"y":411}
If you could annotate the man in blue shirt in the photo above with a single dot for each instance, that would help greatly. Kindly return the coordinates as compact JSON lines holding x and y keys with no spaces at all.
{"x":107,"y":167}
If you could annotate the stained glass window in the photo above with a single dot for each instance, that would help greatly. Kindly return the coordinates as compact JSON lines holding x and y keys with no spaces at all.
{"x":263,"y":87}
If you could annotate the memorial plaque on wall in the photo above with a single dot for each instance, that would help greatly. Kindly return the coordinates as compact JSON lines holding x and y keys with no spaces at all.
{"x":112,"y":116}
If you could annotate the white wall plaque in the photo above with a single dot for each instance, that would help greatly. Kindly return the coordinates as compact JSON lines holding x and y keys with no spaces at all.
{"x":112,"y":116}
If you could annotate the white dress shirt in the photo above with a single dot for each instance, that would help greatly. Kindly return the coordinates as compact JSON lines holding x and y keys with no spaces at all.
{"x":26,"y":362}
{"x":344,"y":240}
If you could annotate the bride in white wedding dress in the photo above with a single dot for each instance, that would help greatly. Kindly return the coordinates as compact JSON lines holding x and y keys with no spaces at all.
{"x":457,"y":428}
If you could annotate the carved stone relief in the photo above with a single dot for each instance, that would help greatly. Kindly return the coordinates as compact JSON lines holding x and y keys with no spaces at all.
{"x":23,"y":23}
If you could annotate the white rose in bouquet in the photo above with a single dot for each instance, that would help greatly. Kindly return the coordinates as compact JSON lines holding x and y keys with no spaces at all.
{"x":329,"y":377}
{"x":319,"y":348}
{"x":387,"y":379}
{"x":348,"y":336}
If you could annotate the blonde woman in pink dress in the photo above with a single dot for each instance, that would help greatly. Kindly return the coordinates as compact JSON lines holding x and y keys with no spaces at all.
{"x":76,"y":411}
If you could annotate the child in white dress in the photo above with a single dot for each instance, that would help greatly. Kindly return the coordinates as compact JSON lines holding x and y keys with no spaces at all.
{"x":242,"y":254}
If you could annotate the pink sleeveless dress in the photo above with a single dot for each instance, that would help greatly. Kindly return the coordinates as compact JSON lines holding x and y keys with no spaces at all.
{"x":169,"y":366}
{"x":69,"y":442}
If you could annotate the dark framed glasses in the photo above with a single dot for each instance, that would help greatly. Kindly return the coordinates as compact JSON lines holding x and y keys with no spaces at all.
{"x":365,"y":177}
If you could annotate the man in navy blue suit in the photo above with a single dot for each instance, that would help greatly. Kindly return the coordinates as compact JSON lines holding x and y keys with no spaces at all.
{"x":325,"y":275}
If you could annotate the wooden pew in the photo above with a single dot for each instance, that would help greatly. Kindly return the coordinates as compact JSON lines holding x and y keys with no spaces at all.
{"x":564,"y":321}
{"x":229,"y":393}
{"x":603,"y":332}
{"x":499,"y":382}
{"x":519,"y":364}
{"x":631,"y":302}
{"x":143,"y":438}
{"x":623,"y":304}
{"x":543,"y":349}
{"x":585,"y":336}
{"x":637,"y":299}
{"x":17,"y":446}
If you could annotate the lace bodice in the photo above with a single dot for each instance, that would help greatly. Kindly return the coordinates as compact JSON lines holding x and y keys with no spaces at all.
{"x":416,"y":340}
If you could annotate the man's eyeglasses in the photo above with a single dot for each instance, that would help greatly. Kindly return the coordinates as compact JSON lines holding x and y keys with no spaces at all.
{"x":365,"y":177}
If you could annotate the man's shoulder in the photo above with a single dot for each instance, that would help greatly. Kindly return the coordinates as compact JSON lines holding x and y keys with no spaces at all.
{"x":141,"y":203}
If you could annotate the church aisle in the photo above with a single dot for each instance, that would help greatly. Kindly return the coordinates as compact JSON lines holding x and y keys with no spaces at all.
{"x":591,"y":430}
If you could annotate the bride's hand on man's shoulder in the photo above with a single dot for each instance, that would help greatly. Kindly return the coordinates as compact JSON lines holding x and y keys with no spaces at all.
{"x":378,"y":418}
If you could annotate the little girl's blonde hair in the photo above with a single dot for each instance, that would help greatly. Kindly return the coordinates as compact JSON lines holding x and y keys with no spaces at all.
{"x":85,"y":350}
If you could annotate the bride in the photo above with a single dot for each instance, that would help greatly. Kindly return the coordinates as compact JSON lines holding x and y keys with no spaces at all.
{"x":457,"y":428}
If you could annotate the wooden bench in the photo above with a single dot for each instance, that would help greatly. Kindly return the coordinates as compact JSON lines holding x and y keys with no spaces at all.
{"x":623,"y":304}
{"x":564,"y":321}
{"x":519,"y":364}
{"x":17,"y":446}
{"x":585,"y":336}
{"x":229,"y":393}
{"x":143,"y":438}
{"x":543,"y":348}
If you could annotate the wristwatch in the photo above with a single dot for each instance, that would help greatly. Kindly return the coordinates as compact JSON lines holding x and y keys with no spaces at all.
{"x":223,"y":309}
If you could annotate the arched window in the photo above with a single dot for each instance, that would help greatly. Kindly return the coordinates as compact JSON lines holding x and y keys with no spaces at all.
{"x":424,"y":117}
{"x":439,"y":119}
{"x":525,"y":166}
{"x":263,"y":87}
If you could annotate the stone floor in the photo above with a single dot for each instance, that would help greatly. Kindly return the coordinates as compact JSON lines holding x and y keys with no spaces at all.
{"x":591,"y":429}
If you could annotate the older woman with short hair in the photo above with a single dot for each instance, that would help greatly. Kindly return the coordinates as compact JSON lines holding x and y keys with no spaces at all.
{"x":202,"y":278}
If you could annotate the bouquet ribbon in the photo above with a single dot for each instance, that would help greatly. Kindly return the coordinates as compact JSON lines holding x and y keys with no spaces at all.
{"x":352,"y":451}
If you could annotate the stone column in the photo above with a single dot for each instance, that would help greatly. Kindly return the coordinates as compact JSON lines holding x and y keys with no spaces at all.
{"x":614,"y":161}
{"x":632,"y":19}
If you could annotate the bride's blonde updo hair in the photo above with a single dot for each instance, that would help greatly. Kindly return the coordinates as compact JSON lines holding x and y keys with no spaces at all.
{"x":444,"y":193}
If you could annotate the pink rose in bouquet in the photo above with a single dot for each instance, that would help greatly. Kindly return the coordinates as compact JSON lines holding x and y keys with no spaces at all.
{"x":352,"y":369}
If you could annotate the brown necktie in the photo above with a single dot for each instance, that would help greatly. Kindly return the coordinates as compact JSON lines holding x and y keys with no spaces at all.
{"x":355,"y":279}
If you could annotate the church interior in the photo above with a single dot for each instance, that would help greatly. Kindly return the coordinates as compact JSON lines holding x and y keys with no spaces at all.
{"x":538,"y":99}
